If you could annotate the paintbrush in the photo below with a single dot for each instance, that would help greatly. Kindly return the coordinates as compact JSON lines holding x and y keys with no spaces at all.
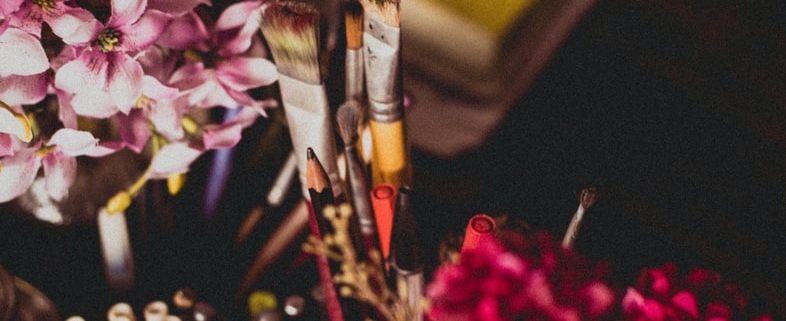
{"x":381,"y":53}
{"x":353,"y":65}
{"x":587,"y":198}
{"x":291,"y":30}
{"x":405,"y":255}
{"x":348,"y":118}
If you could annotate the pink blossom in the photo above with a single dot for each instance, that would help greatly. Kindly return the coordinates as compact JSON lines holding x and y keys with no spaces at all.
{"x":223,"y":76}
{"x":104,"y":79}
{"x":72,"y":24}
{"x":58,"y":158}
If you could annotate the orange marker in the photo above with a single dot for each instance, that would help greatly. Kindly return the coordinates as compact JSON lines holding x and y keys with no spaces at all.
{"x":383,"y":200}
{"x":480,"y":227}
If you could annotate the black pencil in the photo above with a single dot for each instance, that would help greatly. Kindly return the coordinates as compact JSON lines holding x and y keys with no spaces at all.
{"x":321,"y":195}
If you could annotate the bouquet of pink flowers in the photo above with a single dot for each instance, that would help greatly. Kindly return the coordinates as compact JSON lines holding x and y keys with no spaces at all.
{"x":529,"y":277}
{"x":148,"y":68}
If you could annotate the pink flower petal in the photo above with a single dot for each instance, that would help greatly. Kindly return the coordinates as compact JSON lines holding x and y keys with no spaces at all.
{"x":184,"y":31}
{"x":154,"y":89}
{"x":6,"y":146}
{"x":124,"y":80}
{"x":73,"y":142}
{"x":10,"y":124}
{"x":685,"y":301}
{"x":60,"y":174}
{"x":134,"y":129}
{"x":105,"y":148}
{"x":240,"y":73}
{"x":75,"y":25}
{"x":125,"y":12}
{"x":7,"y":7}
{"x":85,"y":73}
{"x":236,"y":26}
{"x":95,"y":104}
{"x":166,"y":116}
{"x":174,"y":158}
{"x":144,"y":32}
{"x":24,"y":50}
{"x":599,"y":298}
{"x":18,"y":173}
{"x":23,"y":90}
{"x":632,"y":302}
{"x":65,"y":111}
{"x":225,"y":136}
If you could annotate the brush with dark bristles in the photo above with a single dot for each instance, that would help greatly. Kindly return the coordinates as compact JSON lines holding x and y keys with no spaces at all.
{"x":347,"y":117}
{"x":292,"y":33}
{"x":353,"y":23}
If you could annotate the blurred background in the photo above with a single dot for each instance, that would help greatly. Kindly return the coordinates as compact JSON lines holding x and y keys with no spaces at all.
{"x":675,"y":109}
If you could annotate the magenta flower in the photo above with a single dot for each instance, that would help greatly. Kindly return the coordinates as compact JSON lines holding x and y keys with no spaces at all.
{"x":104,"y":79}
{"x":535,"y":281}
{"x":664,"y":295}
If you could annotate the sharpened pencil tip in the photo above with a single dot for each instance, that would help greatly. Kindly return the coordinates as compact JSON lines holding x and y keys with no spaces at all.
{"x":310,"y":153}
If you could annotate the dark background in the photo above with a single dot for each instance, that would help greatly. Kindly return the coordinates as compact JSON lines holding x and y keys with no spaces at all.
{"x":674,"y":109}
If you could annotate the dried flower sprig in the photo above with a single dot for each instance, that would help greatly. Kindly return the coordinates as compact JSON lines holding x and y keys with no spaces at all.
{"x":361,"y":280}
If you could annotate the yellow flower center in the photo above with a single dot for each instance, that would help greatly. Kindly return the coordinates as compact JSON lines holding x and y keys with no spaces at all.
{"x":45,"y":5}
{"x":107,"y":39}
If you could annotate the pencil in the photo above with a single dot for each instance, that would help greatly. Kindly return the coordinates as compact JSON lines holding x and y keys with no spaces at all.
{"x":291,"y":30}
{"x":321,"y":195}
{"x":347,"y":117}
{"x":381,"y":44}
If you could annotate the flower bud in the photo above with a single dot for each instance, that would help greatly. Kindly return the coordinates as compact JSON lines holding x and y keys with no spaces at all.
{"x":118,"y":203}
{"x":175,"y":182}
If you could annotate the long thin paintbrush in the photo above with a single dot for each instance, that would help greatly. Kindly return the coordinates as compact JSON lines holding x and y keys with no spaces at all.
{"x":587,"y":198}
{"x":292,"y":33}
{"x":381,"y":44}
{"x":348,"y":117}
{"x":353,"y":25}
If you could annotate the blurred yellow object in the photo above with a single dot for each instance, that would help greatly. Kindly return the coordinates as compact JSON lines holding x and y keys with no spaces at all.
{"x":260,"y":301}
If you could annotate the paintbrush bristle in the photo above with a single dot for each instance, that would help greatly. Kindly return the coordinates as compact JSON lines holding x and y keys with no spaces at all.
{"x":348,"y":118}
{"x":386,"y":11}
{"x":353,"y":20}
{"x":291,"y":30}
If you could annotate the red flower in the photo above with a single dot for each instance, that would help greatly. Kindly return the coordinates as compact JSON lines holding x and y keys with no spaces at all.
{"x":662,"y":294}
{"x":518,"y":277}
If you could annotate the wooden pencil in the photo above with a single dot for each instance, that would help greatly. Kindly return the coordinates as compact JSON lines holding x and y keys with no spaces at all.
{"x":321,"y":195}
